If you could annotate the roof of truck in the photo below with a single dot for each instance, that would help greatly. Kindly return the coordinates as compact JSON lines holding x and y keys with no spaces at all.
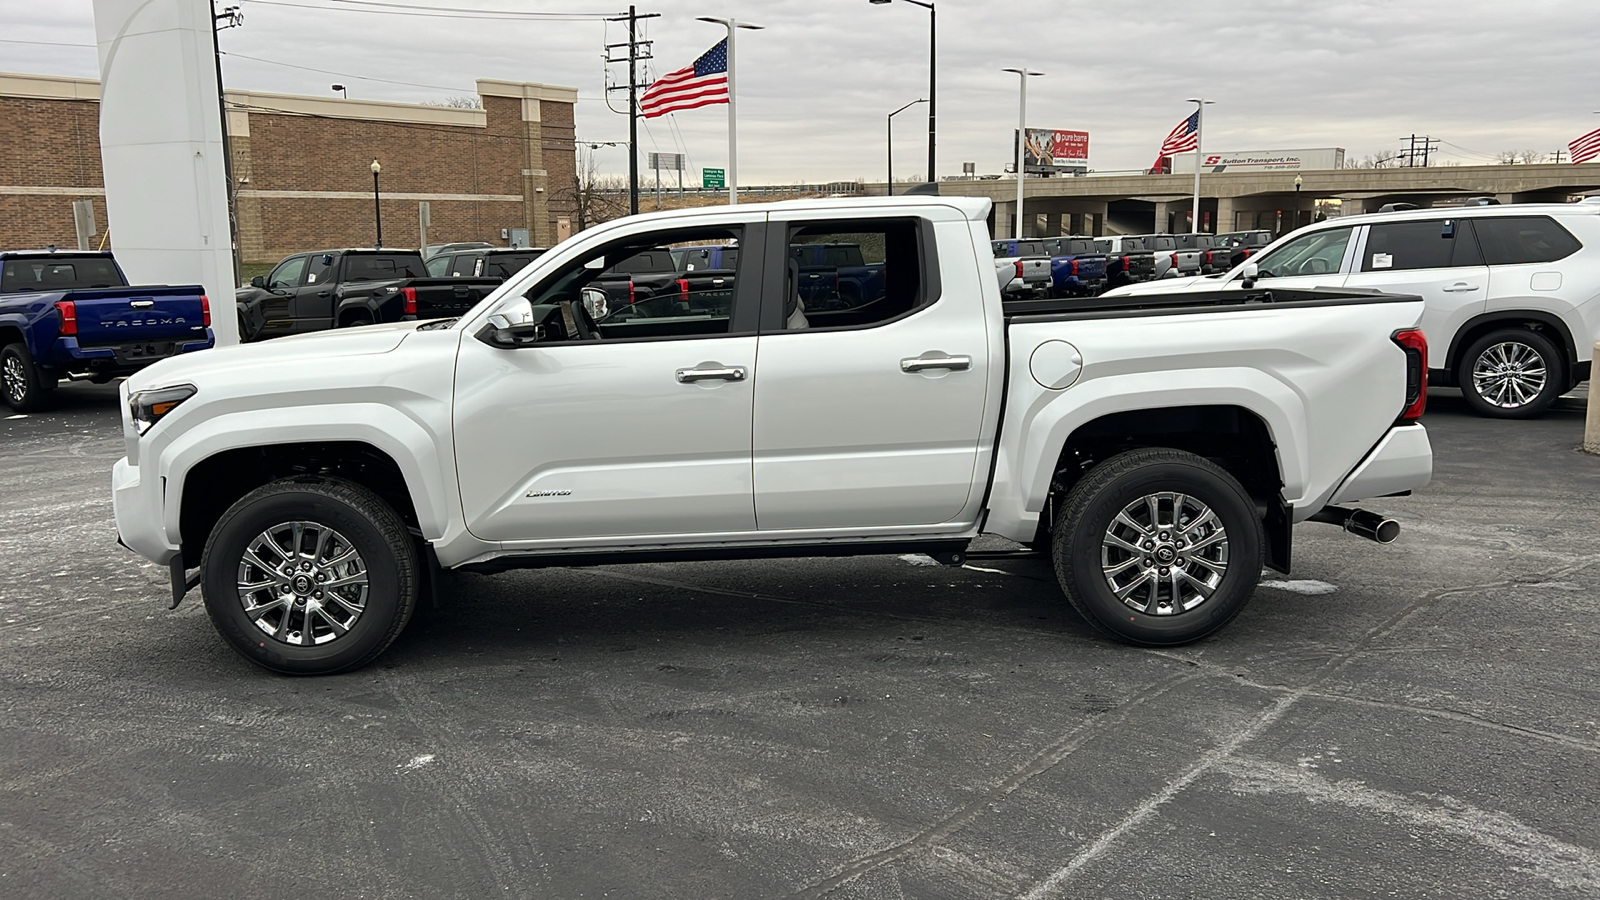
{"x":52,"y":251}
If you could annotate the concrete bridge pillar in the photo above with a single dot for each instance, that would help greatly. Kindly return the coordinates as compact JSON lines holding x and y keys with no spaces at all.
{"x":1225,"y":215}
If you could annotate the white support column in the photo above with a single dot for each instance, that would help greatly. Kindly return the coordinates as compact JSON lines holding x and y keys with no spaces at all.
{"x":161,"y":148}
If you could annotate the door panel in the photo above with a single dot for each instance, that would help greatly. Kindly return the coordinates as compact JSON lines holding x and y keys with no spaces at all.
{"x":592,"y":439}
{"x":1435,"y":259}
{"x":851,"y":431}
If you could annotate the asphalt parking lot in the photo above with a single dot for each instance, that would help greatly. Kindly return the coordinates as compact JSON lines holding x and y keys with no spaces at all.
{"x":1419,"y":720}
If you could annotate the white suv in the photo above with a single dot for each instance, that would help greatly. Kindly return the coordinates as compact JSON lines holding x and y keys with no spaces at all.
{"x":1512,"y":292}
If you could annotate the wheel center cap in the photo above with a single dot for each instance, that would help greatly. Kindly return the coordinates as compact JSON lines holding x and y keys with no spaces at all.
{"x":302,"y":585}
{"x":1165,"y":555}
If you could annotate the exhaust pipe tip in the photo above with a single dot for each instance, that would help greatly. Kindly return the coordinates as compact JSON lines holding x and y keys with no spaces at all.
{"x":1370,"y":525}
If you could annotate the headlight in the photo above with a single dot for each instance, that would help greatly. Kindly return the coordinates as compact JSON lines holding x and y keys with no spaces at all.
{"x":149,"y":407}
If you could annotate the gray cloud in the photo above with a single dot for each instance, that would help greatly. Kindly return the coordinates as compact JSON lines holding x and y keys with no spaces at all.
{"x":816,"y":83}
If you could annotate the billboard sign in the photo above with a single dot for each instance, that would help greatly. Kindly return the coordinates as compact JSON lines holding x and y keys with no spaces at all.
{"x":1262,"y":161}
{"x":1052,"y":151}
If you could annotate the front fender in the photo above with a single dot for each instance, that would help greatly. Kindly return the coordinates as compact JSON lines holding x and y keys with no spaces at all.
{"x":405,"y":440}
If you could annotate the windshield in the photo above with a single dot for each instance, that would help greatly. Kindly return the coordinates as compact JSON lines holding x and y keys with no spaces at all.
{"x":59,"y":274}
{"x":1319,"y":253}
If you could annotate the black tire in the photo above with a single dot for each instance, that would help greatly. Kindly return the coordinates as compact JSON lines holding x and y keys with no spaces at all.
{"x":1502,"y":347}
{"x":245,"y":336}
{"x":23,"y":386}
{"x":1092,"y":507}
{"x":359,"y":320}
{"x":356,"y":517}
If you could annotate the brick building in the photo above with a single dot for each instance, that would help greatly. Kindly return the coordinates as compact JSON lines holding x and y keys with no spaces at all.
{"x":302,"y":166}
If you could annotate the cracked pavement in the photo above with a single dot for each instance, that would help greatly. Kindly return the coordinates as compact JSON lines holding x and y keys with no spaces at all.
{"x":1419,"y":720}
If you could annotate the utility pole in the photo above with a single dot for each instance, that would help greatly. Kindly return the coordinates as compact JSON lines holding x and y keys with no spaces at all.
{"x":638,"y":52}
{"x":1558,"y":155}
{"x":228,"y":18}
{"x":1418,"y":147}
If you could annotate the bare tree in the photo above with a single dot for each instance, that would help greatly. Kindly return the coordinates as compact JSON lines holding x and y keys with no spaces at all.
{"x":592,"y":197}
{"x":1517,"y":157}
{"x":457,"y":102}
{"x":1382,"y":160}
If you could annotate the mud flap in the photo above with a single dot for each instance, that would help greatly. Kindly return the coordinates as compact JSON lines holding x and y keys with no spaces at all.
{"x":182,"y":581}
{"x":1279,"y":528}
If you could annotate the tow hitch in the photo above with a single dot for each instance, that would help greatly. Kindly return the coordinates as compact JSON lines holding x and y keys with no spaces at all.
{"x":1369,"y":525}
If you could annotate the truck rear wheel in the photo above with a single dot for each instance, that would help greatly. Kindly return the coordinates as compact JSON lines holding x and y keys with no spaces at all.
{"x":310,"y":576}
{"x":22,"y":385}
{"x":1158,"y":547}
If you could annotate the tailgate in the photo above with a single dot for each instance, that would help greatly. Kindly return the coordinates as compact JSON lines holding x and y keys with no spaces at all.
{"x":449,"y":297}
{"x":1035,"y":270}
{"x":121,"y":315}
{"x":1091,"y":267}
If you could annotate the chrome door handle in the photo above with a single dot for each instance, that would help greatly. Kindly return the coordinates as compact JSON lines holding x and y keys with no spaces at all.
{"x":921,"y":363}
{"x":1460,"y":288}
{"x":725,"y":373}
{"x":142,"y":304}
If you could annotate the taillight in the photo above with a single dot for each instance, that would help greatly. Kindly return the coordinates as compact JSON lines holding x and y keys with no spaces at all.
{"x":68,"y":311}
{"x":409,"y":295}
{"x":1415,"y":346}
{"x":205,"y":310}
{"x":630,"y":293}
{"x":1019,"y":268}
{"x":1247,"y":252}
{"x":683,"y":289}
{"x":1174,"y":260}
{"x":1074,"y":267}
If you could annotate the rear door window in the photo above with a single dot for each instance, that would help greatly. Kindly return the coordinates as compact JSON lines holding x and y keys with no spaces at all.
{"x":1426,"y":244}
{"x":375,"y":267}
{"x":1513,"y":240}
{"x":59,"y":275}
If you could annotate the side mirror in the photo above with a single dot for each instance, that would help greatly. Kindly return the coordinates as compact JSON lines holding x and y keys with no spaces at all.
{"x":1249,"y":275}
{"x":595,"y":301}
{"x":260,"y":281}
{"x":521,"y":324}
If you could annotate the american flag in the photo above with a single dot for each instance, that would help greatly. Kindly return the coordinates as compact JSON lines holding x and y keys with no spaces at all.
{"x":1585,"y":148}
{"x":702,"y":84}
{"x":1184,"y":138}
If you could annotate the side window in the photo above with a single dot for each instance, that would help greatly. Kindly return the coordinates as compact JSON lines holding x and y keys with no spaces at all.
{"x":644,"y":294}
{"x":1512,"y":240}
{"x":1428,"y":244}
{"x":288,"y":273}
{"x":367,"y":267}
{"x":1318,"y":253}
{"x":842,"y":276}
{"x":438,"y":267}
{"x":320,"y":269}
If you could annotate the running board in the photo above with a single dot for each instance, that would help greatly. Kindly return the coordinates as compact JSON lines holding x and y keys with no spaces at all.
{"x":947,"y":551}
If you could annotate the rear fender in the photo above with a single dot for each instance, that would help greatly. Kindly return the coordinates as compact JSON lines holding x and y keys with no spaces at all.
{"x":1039,"y":422}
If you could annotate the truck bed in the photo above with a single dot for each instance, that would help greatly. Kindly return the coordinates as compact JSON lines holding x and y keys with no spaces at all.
{"x":1185,"y":301}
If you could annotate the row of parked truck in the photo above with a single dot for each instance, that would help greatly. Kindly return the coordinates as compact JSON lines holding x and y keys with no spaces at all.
{"x":1081,"y":266}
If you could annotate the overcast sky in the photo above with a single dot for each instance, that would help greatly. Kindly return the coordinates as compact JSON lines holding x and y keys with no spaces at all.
{"x":814,"y":86}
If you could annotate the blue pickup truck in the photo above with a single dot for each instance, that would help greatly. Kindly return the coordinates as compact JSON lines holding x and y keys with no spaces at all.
{"x":836,"y":276}
{"x":72,"y":314}
{"x":1077,"y":269}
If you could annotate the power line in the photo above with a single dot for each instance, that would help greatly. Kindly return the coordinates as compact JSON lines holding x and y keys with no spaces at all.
{"x":440,"y":12}
{"x":273,"y":62}
{"x":44,"y":43}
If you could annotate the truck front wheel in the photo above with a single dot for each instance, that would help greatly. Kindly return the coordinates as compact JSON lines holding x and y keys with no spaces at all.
{"x":310,"y":576}
{"x":23,"y":386}
{"x":1158,"y":547}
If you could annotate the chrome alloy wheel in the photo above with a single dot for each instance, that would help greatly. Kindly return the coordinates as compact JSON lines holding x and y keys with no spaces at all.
{"x":1164,"y":554}
{"x":14,"y":378}
{"x":302,"y":583}
{"x":1508,"y":375}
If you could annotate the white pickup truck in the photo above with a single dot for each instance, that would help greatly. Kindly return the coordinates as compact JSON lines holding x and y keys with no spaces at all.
{"x":1159,"y":448}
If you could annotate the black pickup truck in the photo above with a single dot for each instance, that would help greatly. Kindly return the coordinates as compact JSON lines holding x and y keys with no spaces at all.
{"x":343,"y":288}
{"x":483,"y":262}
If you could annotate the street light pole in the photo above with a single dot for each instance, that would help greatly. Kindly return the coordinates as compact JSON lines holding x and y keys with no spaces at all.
{"x":889,"y":186}
{"x":377,"y":208}
{"x":933,"y":93}
{"x":1199,"y":123}
{"x":1297,"y":201}
{"x":1022,"y":137}
{"x":733,"y":107}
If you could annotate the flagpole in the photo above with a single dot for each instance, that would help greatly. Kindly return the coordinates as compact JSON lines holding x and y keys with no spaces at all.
{"x":1199,"y":123}
{"x":733,"y":105}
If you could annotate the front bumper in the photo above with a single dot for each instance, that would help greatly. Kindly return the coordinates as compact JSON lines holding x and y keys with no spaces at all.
{"x":1402,"y":461}
{"x":137,"y":506}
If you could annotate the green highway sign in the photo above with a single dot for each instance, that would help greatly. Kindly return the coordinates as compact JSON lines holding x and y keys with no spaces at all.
{"x":713,"y":178}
